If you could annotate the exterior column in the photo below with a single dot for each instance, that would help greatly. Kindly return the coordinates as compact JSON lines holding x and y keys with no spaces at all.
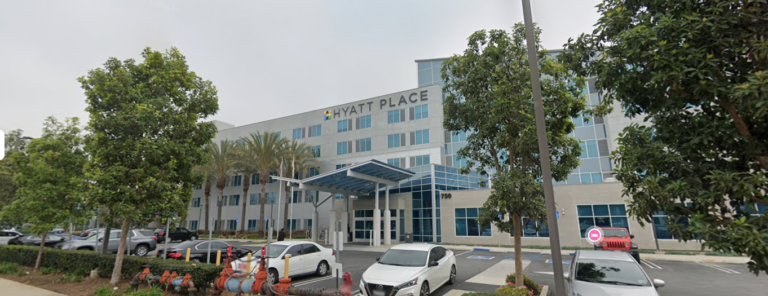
{"x":376,"y":220}
{"x":387,"y":218}
{"x":331,"y":233}
{"x":344,"y":223}
{"x":315,"y":234}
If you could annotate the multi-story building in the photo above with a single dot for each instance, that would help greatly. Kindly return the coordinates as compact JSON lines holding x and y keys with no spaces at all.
{"x":438,"y":204}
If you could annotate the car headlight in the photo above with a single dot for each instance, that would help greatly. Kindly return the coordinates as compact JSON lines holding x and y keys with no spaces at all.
{"x":407,"y":284}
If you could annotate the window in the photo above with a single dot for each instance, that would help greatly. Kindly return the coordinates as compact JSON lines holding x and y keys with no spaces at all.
{"x":661,"y":222}
{"x":363,"y":145}
{"x":309,"y":249}
{"x":223,"y":201}
{"x":313,"y":172}
{"x":294,"y":251}
{"x":234,"y":200}
{"x":198,"y":187}
{"x":338,"y":166}
{"x":293,"y":224}
{"x":420,"y":137}
{"x":252,"y":225}
{"x":395,"y":140}
{"x":310,"y":196}
{"x":316,"y":130}
{"x":419,"y":160}
{"x":296,"y":197}
{"x":272,"y":180}
{"x":344,"y":125}
{"x":193,"y":225}
{"x":458,"y":137}
{"x":614,"y":215}
{"x":363,"y":122}
{"x":395,"y":116}
{"x":343,"y":148}
{"x":237,"y":180}
{"x":254,"y":179}
{"x":466,"y":223}
{"x":196,"y":202}
{"x":316,"y":150}
{"x":532,"y":228}
{"x":271,"y":197}
{"x":398,"y":162}
{"x":420,"y":112}
{"x":254,"y":199}
{"x":299,"y":133}
{"x":232,"y":224}
{"x":591,"y":178}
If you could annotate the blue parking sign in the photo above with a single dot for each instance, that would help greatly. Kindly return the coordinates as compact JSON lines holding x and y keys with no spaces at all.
{"x":557,"y":214}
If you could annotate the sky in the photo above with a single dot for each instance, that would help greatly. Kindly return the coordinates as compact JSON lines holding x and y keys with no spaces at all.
{"x":268,"y":59}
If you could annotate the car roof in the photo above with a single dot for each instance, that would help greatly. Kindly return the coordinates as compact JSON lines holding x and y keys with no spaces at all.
{"x":415,"y":247}
{"x":604,"y":255}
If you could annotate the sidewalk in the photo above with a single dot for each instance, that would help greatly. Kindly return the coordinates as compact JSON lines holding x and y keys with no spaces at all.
{"x":10,"y":287}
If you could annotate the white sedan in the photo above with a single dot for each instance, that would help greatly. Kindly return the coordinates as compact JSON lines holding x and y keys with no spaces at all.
{"x":409,"y":270}
{"x":306,"y":258}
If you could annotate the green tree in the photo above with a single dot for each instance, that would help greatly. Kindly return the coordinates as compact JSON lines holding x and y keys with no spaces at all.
{"x":268,"y":150}
{"x":246,"y":160}
{"x":298,"y":158}
{"x":147,"y":134}
{"x":490,"y":98}
{"x":697,"y":72}
{"x":50,"y":180}
{"x":15,"y":141}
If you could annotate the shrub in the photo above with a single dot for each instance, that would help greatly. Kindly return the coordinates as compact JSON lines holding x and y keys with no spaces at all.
{"x":49,"y":270}
{"x":514,"y":291}
{"x":202,"y":274}
{"x":527,"y":282}
{"x":74,"y":277}
{"x":11,"y":268}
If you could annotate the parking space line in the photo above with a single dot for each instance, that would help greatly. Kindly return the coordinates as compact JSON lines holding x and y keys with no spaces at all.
{"x":313,"y":281}
{"x":650,"y":264}
{"x":720,"y":268}
{"x":467,"y":252}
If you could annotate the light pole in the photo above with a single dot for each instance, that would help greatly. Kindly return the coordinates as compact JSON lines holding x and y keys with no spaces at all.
{"x":549,"y":195}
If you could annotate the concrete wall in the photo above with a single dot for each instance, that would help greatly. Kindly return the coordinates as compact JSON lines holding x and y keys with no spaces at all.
{"x":567,"y":197}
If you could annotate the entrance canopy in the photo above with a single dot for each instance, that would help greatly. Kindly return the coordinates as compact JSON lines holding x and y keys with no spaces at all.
{"x":358,"y":179}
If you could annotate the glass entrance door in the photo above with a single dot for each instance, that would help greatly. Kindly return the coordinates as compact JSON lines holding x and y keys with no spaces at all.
{"x":363,"y":226}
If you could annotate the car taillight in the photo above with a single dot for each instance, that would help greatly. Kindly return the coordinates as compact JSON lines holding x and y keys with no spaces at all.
{"x":154,"y":238}
{"x":174,"y":255}
{"x":162,"y":233}
{"x":333,"y":253}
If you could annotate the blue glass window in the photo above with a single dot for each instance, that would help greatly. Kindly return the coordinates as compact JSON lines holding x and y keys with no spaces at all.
{"x":253,"y":199}
{"x":344,"y":125}
{"x":313,"y":172}
{"x":420,"y":112}
{"x":365,"y":121}
{"x":422,"y":137}
{"x":420,"y":160}
{"x":614,"y":215}
{"x":316,"y":150}
{"x":467,"y":224}
{"x":393,"y":116}
{"x":394,"y":162}
{"x":365,"y":144}
{"x":393,"y":141}
{"x":297,"y":134}
{"x":316,"y":130}
{"x":342,"y":148}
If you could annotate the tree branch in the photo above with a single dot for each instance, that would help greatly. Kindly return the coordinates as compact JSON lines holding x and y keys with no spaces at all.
{"x":741,"y":126}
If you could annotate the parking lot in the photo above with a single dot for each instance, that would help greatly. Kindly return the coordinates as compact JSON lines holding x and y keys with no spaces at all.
{"x":682,"y":278}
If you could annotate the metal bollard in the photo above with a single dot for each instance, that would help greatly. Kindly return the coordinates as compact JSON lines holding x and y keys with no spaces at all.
{"x":249,"y":265}
{"x":218,"y":257}
{"x":188,"y":251}
{"x":287,"y":262}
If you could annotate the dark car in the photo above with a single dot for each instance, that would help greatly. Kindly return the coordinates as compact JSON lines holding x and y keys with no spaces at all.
{"x":178,"y":233}
{"x":199,"y":251}
{"x":51,"y":240}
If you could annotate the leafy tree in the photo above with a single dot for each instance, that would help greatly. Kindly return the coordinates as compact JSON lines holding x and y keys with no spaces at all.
{"x":50,"y":180}
{"x":489,"y":96}
{"x":268,"y":150}
{"x":147,"y":134}
{"x":15,"y":141}
{"x":299,"y":158}
{"x":697,"y":72}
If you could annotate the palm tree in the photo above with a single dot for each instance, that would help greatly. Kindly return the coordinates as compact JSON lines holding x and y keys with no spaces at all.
{"x":207,"y":192}
{"x":267,"y":150}
{"x":246,"y":164}
{"x":220,"y":166}
{"x":299,"y":158}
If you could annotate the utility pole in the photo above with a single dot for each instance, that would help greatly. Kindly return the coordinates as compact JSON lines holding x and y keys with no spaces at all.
{"x":549,"y":195}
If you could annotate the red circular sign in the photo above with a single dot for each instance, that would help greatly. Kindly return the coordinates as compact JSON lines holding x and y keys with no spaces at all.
{"x":594,"y":235}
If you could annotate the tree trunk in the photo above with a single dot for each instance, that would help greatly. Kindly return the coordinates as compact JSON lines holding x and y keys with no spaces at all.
{"x":518,"y":251}
{"x":218,"y":217}
{"x":262,"y":203}
{"x":117,"y":272}
{"x":40,"y":253}
{"x":246,"y":186}
{"x":207,"y":203}
{"x":105,"y":242}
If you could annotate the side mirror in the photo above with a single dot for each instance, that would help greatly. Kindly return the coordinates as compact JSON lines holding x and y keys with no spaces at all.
{"x":658,"y":283}
{"x":632,"y":236}
{"x":377,"y":259}
{"x":433,"y":264}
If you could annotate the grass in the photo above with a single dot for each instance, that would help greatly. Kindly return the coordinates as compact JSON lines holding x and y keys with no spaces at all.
{"x":107,"y":291}
{"x":12,"y":269}
{"x":49,"y":270}
{"x":74,"y":277}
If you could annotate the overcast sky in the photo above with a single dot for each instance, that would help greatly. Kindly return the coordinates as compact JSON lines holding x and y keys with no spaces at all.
{"x":268,"y":59}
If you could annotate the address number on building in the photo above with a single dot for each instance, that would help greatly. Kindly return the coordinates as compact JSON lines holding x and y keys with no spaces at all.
{"x":445,"y":195}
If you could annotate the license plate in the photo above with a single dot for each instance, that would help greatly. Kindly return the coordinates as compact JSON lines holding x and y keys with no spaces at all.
{"x":378,"y":293}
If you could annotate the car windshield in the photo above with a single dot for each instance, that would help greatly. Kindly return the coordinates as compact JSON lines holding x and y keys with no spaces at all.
{"x":404,"y":258}
{"x":274,"y":250}
{"x":615,"y":233}
{"x":611,"y":272}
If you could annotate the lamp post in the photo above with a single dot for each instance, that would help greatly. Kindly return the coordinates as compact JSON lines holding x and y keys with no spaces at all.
{"x":549,"y":198}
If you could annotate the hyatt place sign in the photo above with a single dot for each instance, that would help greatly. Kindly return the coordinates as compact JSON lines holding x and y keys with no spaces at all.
{"x":361,"y":108}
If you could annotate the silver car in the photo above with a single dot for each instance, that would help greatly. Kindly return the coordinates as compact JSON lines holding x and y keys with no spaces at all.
{"x":141,"y":242}
{"x":604,"y":273}
{"x":6,"y":235}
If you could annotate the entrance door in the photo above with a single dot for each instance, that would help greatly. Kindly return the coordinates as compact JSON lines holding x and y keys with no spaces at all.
{"x":363,"y":225}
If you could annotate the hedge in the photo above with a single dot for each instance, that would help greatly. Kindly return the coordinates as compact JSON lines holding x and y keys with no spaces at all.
{"x":203,"y":275}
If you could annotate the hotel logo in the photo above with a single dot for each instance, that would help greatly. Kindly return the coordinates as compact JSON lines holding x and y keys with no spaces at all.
{"x":327,"y":115}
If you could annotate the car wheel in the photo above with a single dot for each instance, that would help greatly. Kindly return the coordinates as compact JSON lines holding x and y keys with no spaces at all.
{"x":193,"y":238}
{"x":272,"y":276}
{"x":424,"y":289}
{"x":141,"y":250}
{"x":322,"y":268}
{"x":637,"y":257}
{"x":196,"y":260}
{"x":452,"y":278}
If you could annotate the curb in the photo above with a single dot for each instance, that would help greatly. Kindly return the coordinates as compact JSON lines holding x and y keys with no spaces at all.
{"x":544,"y":290}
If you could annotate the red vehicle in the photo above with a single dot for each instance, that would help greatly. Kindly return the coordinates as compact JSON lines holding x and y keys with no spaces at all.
{"x":618,"y":239}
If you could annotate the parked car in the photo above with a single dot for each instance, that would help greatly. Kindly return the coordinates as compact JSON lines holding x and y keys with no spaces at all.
{"x":603,"y":273}
{"x":199,"y":251}
{"x":409,"y":269}
{"x":306,"y":258}
{"x":7,"y":235}
{"x":89,"y":232}
{"x":51,"y":240}
{"x":618,"y":239}
{"x":141,"y":242}
{"x":178,"y":233}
